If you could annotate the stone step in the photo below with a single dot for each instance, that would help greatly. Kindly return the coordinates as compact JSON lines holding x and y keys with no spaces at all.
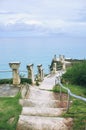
{"x":35,"y":92}
{"x":42,"y":103}
{"x":37,"y":111}
{"x":43,"y":123}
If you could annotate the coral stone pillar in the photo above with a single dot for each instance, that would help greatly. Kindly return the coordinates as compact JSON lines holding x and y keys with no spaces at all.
{"x":40,"y":73}
{"x":64,"y":66}
{"x":61,"y":58}
{"x":54,"y":68}
{"x":15,"y":66}
{"x":30,"y":72}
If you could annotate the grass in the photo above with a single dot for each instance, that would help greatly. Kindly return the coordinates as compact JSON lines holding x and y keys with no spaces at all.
{"x":9,"y":112}
{"x":78,"y":108}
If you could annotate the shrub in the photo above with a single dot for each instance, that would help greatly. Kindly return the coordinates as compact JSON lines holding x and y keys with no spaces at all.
{"x":10,"y":81}
{"x":6,"y":81}
{"x":26,"y":80}
{"x":76,"y":74}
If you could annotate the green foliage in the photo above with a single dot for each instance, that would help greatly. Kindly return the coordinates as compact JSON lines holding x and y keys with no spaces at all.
{"x":9,"y":109}
{"x":10,"y":81}
{"x":56,"y":89}
{"x":76,"y":74}
{"x":37,"y":82}
{"x":26,"y":80}
{"x":6,"y":81}
{"x":77,"y":111}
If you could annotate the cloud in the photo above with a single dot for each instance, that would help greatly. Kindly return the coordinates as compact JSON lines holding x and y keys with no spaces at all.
{"x":34,"y":27}
{"x":43,"y":17}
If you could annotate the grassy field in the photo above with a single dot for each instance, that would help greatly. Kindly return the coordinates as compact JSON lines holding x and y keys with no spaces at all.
{"x":78,"y":108}
{"x":9,"y":112}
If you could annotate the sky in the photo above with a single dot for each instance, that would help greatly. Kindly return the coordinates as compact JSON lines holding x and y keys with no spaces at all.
{"x":42,"y":17}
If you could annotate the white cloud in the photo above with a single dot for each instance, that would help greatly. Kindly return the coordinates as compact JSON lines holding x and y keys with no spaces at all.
{"x":45,"y":16}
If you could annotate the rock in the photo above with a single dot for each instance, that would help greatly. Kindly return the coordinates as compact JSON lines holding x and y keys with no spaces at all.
{"x":11,"y":120}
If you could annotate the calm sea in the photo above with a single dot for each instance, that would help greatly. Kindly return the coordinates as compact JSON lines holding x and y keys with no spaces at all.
{"x":38,"y":50}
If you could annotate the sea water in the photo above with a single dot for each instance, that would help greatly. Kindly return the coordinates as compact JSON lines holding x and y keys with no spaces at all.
{"x":38,"y":50}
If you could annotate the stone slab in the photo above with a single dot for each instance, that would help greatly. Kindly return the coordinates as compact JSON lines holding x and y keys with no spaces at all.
{"x":7,"y":90}
{"x":43,"y":103}
{"x":37,"y":111}
{"x":42,"y":123}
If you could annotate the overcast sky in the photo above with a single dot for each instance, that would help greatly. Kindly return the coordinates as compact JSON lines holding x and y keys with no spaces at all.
{"x":43,"y":17}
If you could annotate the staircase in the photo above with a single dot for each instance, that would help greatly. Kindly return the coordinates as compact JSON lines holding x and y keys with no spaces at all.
{"x":42,"y":110}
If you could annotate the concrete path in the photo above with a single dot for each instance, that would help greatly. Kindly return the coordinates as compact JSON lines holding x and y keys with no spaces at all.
{"x":48,"y":82}
{"x":42,"y":109}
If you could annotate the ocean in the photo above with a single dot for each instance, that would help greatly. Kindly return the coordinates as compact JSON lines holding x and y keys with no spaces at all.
{"x":38,"y":50}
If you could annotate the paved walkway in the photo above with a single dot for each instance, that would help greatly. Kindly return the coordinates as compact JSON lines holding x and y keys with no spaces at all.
{"x":48,"y":82}
{"x":42,"y":110}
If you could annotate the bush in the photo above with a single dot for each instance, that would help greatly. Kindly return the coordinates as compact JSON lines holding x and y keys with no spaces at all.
{"x":10,"y":81}
{"x":26,"y":80}
{"x":76,"y":74}
{"x":6,"y":81}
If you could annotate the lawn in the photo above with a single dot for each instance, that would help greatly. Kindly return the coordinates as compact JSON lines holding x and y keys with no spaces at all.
{"x":78,"y":108}
{"x":9,"y":112}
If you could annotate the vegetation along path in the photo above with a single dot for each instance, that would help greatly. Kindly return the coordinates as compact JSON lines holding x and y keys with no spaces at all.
{"x":42,"y":109}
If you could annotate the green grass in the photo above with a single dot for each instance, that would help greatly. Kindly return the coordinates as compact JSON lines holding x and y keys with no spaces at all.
{"x":9,"y":108}
{"x":78,"y":108}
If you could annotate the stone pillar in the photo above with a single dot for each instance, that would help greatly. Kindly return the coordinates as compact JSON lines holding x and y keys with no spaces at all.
{"x":42,"y":77}
{"x":40,"y":73}
{"x":61,"y":58}
{"x":16,"y":78}
{"x":54,"y":67}
{"x":55,"y":59}
{"x":30,"y":72}
{"x":64,"y":66}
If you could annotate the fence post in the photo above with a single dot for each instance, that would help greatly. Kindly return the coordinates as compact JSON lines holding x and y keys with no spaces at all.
{"x":68,"y":102}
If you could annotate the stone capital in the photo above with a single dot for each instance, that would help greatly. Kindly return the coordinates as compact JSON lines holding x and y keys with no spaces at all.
{"x":14,"y":65}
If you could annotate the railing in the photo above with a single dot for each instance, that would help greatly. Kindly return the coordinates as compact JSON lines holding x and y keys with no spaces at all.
{"x":58,"y":81}
{"x":8,"y":73}
{"x":1,"y":71}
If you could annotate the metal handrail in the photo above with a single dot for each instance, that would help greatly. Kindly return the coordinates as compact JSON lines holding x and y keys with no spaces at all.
{"x":71,"y":94}
{"x":58,"y":81}
{"x":1,"y":71}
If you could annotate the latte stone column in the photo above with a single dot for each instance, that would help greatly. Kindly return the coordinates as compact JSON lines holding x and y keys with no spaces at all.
{"x":64,"y":66}
{"x":61,"y":58}
{"x":16,"y":78}
{"x":54,"y":68}
{"x":30,"y":72}
{"x":40,"y":72}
